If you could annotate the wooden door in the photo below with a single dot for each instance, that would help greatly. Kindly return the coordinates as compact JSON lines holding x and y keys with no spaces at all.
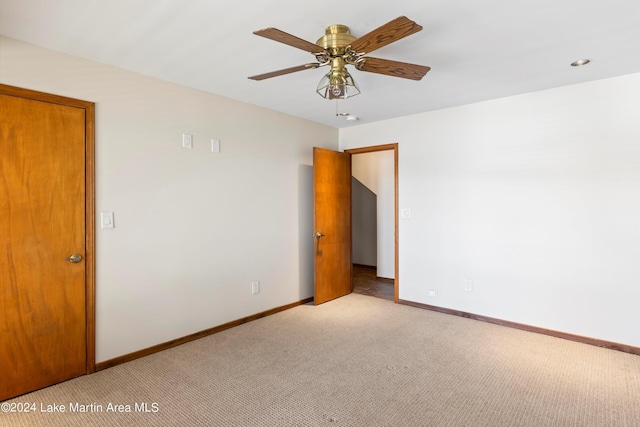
{"x":43,"y":318}
{"x":332,"y":222}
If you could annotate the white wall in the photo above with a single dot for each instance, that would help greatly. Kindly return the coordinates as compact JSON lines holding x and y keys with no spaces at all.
{"x":375,"y":170}
{"x":193,"y":228}
{"x":535,"y":198}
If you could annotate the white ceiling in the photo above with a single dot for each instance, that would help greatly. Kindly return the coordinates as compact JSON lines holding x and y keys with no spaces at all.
{"x":477,"y":50}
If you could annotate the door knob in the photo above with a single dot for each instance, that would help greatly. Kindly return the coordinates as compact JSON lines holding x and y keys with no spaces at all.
{"x":318,"y":235}
{"x":75,"y":258}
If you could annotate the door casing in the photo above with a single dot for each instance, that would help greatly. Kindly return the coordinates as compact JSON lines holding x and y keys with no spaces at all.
{"x":387,"y":147}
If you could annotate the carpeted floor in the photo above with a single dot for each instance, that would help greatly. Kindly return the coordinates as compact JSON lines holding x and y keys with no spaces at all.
{"x":355,"y":361}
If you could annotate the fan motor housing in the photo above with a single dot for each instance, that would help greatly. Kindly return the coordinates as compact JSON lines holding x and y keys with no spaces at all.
{"x":336,"y":38}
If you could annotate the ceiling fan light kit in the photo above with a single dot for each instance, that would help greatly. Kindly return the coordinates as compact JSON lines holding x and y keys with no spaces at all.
{"x":337,"y":83}
{"x":339,"y":48}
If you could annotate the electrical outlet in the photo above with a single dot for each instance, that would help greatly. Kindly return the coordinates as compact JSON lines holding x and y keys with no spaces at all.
{"x":468,"y":285}
{"x":255,"y":287}
{"x":432,"y":293}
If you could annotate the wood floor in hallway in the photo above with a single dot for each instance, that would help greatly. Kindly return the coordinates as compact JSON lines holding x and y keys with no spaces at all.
{"x":366,"y":282}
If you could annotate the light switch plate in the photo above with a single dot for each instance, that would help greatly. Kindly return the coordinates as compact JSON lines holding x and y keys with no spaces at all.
{"x":215,"y":145}
{"x":106,"y":220}
{"x":187,"y":140}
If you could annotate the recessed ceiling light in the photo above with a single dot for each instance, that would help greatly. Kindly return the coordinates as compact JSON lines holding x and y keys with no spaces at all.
{"x":580,"y":62}
{"x":352,"y":118}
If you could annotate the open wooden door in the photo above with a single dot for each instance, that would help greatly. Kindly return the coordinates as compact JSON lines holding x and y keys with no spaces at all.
{"x":332,"y":222}
{"x":44,"y":207}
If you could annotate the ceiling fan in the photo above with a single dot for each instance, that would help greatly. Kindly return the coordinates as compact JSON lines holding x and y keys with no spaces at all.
{"x":338,"y":48}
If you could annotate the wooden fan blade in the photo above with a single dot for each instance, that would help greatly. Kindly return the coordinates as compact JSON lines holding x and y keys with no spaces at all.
{"x":393,"y":68}
{"x":286,"y":38}
{"x":388,"y":33}
{"x":285,"y":71}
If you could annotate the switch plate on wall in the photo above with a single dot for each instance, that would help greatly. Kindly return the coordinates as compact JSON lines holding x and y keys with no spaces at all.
{"x":106,"y":220}
{"x":187,"y":140}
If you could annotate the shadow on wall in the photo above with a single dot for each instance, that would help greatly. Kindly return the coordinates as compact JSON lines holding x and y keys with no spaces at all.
{"x":364,"y":219}
{"x":305,"y":231}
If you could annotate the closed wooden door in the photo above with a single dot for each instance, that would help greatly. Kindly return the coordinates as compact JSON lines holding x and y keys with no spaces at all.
{"x":332,"y":222}
{"x":43,"y":321}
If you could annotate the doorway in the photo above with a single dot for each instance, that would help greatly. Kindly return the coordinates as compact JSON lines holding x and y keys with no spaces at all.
{"x":47,"y":331}
{"x":367,"y":278}
{"x":332,"y":221}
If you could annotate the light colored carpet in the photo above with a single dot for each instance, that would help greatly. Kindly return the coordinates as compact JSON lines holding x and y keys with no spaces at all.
{"x":358,"y":361}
